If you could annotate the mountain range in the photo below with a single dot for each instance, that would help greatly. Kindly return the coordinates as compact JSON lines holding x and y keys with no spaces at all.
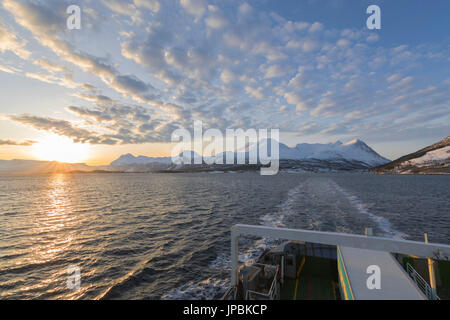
{"x":337,"y":156}
{"x":355,"y":150}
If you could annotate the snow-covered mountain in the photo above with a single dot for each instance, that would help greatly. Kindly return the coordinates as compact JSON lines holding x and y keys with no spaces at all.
{"x":433,"y":159}
{"x":129,"y":159}
{"x":355,"y":150}
{"x":352,"y":151}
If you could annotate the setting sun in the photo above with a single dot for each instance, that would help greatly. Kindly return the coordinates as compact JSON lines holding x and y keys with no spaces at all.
{"x":57,"y":148}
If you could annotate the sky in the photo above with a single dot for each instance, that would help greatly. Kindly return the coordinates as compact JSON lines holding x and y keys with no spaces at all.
{"x":139,"y":69}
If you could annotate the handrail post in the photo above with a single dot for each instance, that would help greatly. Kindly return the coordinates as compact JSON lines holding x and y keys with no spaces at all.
{"x":234,"y":255}
{"x":431,"y":269}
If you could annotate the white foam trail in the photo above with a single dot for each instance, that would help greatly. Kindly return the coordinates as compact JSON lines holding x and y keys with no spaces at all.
{"x":274,"y":219}
{"x":204,"y":290}
{"x":211,"y":288}
{"x":383,"y":223}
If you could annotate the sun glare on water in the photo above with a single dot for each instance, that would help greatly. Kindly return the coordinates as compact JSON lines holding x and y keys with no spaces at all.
{"x":61,"y":149}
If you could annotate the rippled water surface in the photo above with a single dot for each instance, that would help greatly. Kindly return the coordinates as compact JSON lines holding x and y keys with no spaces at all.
{"x":152,"y":236}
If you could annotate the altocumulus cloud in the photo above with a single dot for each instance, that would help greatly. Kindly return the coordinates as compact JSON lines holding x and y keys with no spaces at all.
{"x":229,"y":65}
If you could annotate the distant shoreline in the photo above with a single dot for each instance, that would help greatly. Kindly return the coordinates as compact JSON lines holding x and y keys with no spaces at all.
{"x":240,"y":170}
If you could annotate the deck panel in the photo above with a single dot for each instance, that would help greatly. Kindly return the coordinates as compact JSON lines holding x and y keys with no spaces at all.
{"x":395,"y":283}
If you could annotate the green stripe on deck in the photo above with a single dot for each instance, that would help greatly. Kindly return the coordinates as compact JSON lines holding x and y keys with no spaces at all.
{"x":343,"y":278}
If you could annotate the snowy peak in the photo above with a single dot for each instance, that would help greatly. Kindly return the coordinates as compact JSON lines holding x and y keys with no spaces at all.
{"x":129,"y":159}
{"x":354,"y":150}
{"x":126,"y":158}
{"x":359,"y":144}
{"x":354,"y":141}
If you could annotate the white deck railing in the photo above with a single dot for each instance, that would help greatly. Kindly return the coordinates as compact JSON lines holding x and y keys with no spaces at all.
{"x":419,"y":249}
{"x":421,"y":283}
{"x":269,"y":295}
